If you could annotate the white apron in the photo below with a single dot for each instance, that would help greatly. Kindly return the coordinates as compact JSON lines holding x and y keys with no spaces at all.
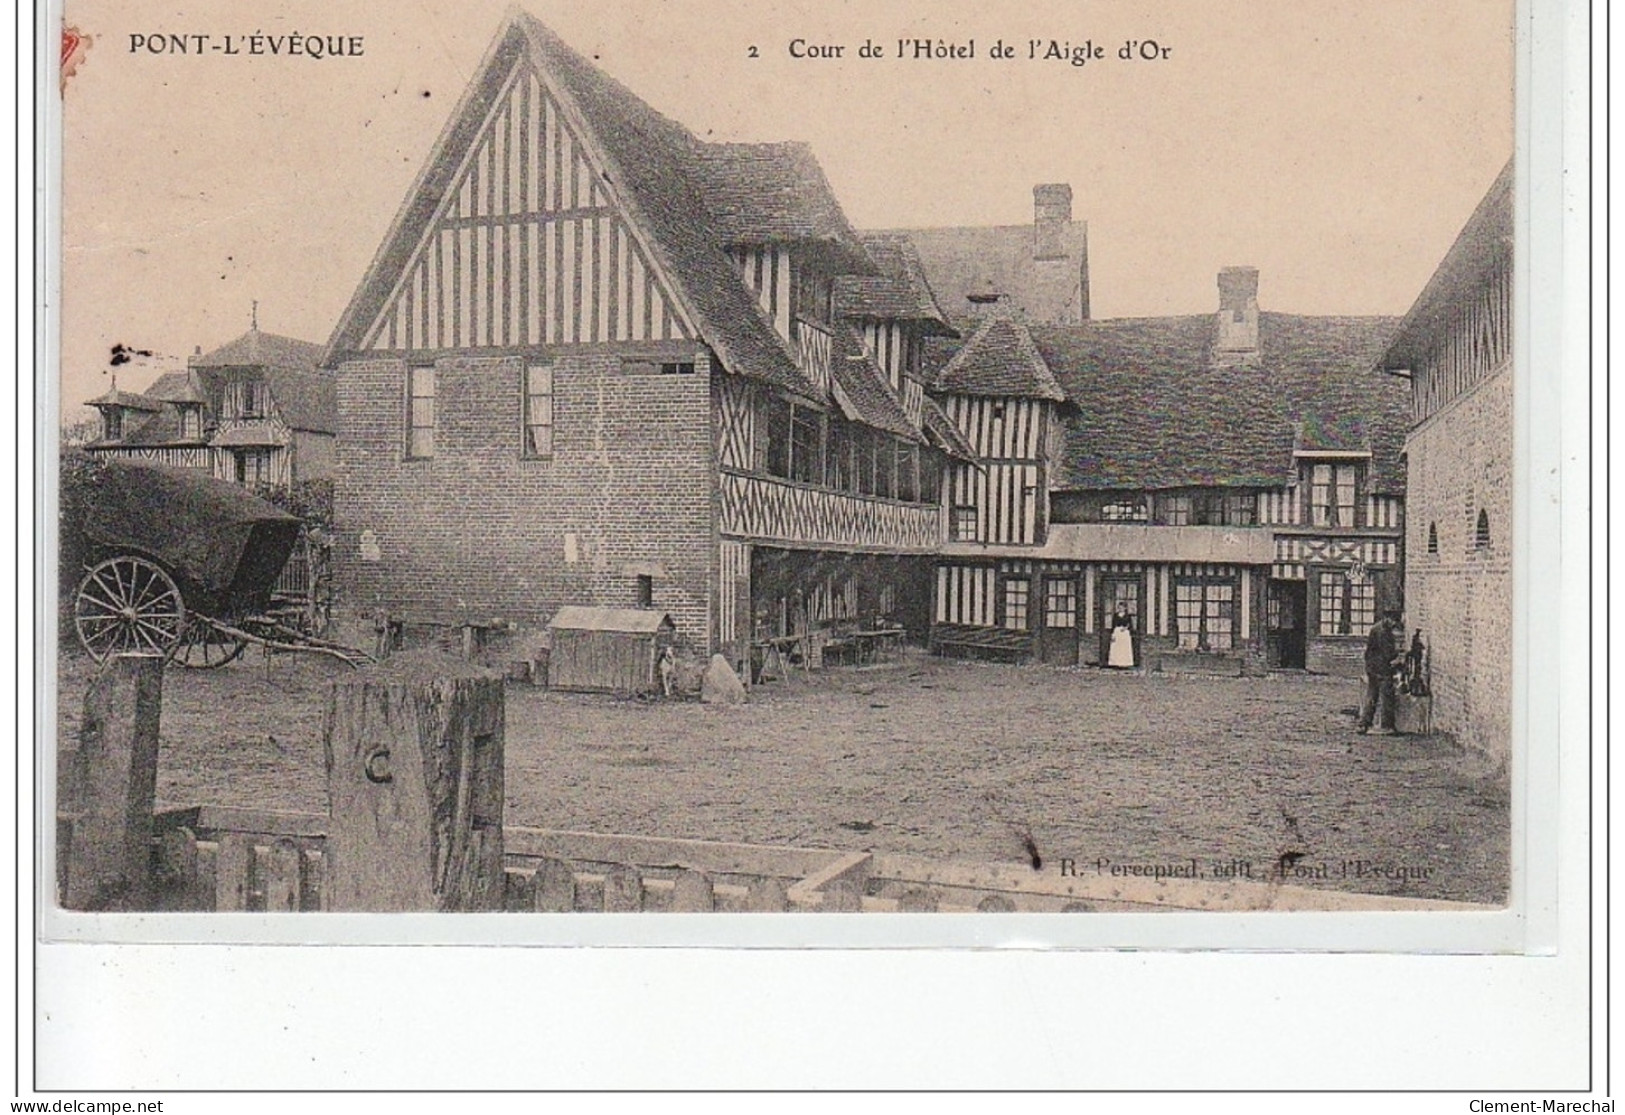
{"x":1121,"y":654}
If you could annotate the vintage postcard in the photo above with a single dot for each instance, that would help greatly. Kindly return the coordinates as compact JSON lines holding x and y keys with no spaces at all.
{"x":786,"y":457}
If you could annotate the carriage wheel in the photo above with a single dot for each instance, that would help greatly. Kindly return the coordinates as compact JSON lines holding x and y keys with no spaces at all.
{"x":128,"y":605}
{"x":205,"y":646}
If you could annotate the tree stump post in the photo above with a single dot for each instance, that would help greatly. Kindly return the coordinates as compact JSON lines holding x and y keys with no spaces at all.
{"x":415,"y":789}
{"x":110,"y":786}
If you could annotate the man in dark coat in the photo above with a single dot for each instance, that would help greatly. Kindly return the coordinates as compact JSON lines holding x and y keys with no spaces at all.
{"x":1381,"y":656}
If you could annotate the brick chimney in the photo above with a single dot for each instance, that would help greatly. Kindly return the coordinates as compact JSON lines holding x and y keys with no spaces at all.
{"x":1236,"y":340}
{"x":1052,"y":212}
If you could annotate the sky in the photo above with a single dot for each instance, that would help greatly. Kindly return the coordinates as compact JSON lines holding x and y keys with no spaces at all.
{"x":1337,"y":146}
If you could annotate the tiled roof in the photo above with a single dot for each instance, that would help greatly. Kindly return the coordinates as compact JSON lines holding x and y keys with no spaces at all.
{"x":862,"y":383}
{"x":263,"y":350}
{"x":984,"y":261}
{"x":176,"y":387}
{"x":999,"y":359}
{"x":765,"y":193}
{"x":1155,"y":412}
{"x":899,"y":292}
{"x":305,"y":400}
{"x":114,"y":397}
{"x":1484,"y":242}
{"x":941,"y":431}
{"x":655,"y":167}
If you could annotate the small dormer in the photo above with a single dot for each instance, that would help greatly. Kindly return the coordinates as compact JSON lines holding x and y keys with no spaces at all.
{"x":122,"y":412}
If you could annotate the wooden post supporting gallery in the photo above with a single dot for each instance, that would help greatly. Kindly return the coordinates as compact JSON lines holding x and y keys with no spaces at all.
{"x":414,"y":755}
{"x":107,"y":788}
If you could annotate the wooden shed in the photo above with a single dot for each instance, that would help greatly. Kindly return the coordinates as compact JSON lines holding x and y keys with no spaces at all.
{"x":608,"y":650}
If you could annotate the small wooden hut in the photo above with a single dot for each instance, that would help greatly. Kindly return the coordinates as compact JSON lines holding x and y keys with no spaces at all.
{"x":608,"y":650}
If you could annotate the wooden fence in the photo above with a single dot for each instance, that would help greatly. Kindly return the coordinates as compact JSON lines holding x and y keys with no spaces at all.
{"x":228,"y":859}
{"x":416,"y":781}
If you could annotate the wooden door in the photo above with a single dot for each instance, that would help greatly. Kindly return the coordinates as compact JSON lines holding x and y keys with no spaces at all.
{"x":1284,"y":631}
{"x":1127,"y":589}
{"x":1058,"y":624}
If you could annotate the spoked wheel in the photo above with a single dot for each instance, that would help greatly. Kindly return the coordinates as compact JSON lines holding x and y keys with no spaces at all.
{"x":128,"y":605}
{"x":205,"y":647}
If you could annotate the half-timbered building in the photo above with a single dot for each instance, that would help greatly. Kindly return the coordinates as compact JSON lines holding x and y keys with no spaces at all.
{"x":255,"y":411}
{"x":598,"y":361}
{"x":1232,"y":481}
{"x":1455,"y":349}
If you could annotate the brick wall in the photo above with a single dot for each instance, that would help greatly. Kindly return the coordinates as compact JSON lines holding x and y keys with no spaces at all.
{"x":1461,"y":597}
{"x":479,"y":530}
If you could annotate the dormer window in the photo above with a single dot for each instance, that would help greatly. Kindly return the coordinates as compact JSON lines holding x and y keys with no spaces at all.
{"x":1332,"y":495}
{"x":191,"y":423}
{"x":112,"y":423}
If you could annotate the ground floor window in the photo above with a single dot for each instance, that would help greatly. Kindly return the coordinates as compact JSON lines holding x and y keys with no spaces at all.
{"x":253,"y":466}
{"x":1060,"y":603}
{"x":1205,"y":614}
{"x":1346,"y":607}
{"x":1016,"y":594}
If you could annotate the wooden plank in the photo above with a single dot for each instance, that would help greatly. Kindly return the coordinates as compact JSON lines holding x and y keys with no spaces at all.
{"x":519,"y":890}
{"x":234,"y":863}
{"x":917,"y":900}
{"x":207,"y":853}
{"x":313,"y":880}
{"x":281,"y":875}
{"x":692,"y":893}
{"x":712,"y":857}
{"x":852,"y":869}
{"x":623,"y":890}
{"x":414,"y":775}
{"x":555,"y":887}
{"x":112,"y":785}
{"x":177,"y":871}
{"x":767,"y":895}
{"x":211,"y":819}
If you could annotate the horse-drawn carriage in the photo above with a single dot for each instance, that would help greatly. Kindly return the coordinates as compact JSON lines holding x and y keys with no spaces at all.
{"x":181,"y":564}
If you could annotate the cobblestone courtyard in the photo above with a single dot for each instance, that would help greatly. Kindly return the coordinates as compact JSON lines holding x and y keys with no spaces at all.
{"x":927,"y":757}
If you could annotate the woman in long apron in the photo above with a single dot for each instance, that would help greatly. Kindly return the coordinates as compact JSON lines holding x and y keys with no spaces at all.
{"x":1120,"y":654}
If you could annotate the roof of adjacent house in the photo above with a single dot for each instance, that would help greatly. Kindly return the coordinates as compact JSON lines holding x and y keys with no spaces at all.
{"x":861,"y":388}
{"x":767,"y":193}
{"x":998,"y":260}
{"x":1154,"y":410}
{"x":1485,"y":242}
{"x":114,"y":397}
{"x":999,"y":358}
{"x":263,"y":350}
{"x":176,"y":387}
{"x":899,"y":292}
{"x":305,"y":400}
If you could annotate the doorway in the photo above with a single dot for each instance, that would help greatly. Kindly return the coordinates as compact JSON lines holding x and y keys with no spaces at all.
{"x":1115,"y":589}
{"x":1058,"y":631}
{"x":1287,"y":606}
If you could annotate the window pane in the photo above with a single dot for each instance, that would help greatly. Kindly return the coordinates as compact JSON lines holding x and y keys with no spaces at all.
{"x":1333,"y":603}
{"x":1345,"y":496}
{"x":1188,"y":613}
{"x":1015,"y":603}
{"x":1060,"y":603}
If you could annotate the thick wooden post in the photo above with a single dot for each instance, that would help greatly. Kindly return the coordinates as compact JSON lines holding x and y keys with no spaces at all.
{"x":414,"y":755}
{"x":110,"y":788}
